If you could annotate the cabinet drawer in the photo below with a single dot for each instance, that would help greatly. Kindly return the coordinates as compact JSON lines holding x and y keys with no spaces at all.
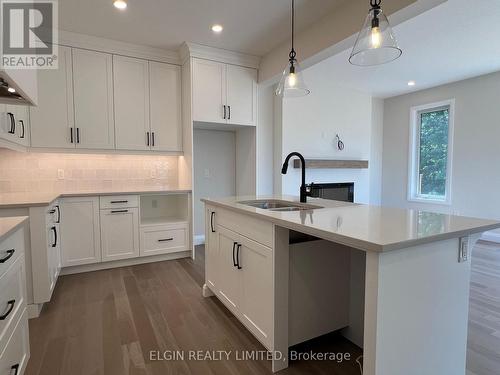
{"x":12,"y":296}
{"x":255,"y":229}
{"x":10,"y":249}
{"x":17,"y":351}
{"x":119,"y":201}
{"x":164,"y":239}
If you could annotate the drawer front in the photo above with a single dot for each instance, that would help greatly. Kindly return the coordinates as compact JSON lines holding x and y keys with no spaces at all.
{"x":12,"y":297}
{"x":118,"y":201}
{"x":258,"y":230}
{"x":162,"y":239}
{"x":10,"y":249}
{"x":17,"y":351}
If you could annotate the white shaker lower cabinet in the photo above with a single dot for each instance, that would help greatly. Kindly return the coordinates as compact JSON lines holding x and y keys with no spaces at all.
{"x":119,"y":233}
{"x":240,"y":273}
{"x":164,"y":238}
{"x":80,"y":231}
{"x":14,"y":334}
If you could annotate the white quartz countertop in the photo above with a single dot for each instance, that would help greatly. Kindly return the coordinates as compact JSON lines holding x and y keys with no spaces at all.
{"x":9,"y":225}
{"x":365,"y":227}
{"x":18,"y":200}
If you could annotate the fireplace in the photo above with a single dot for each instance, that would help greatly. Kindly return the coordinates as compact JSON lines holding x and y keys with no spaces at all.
{"x":343,"y":191}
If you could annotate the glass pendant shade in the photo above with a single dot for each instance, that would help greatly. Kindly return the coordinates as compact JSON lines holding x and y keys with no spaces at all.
{"x":292,"y":82}
{"x":376,"y":43}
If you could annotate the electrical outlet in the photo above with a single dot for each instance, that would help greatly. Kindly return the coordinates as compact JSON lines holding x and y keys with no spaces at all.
{"x":463,"y":249}
{"x":60,"y":174}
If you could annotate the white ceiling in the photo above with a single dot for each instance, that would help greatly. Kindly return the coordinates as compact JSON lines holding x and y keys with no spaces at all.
{"x":456,"y":40}
{"x":250,"y":26}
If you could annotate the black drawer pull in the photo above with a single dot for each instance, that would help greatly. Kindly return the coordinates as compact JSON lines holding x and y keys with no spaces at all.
{"x":15,"y":368}
{"x":54,"y":229}
{"x":238,"y":256}
{"x":118,"y":211}
{"x":234,"y":257}
{"x":53,"y":211}
{"x":12,"y":129}
{"x":24,"y":130}
{"x":166,"y":239}
{"x":11,"y":305}
{"x":114,"y":202}
{"x":212,"y":214}
{"x":58,"y":214}
{"x":9,"y":255}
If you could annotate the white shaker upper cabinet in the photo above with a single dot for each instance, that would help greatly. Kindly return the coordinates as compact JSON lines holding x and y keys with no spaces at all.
{"x":241,"y":95}
{"x":53,"y":119}
{"x":131,"y":92}
{"x":93,"y":98}
{"x":165,"y":105}
{"x":209,"y":91}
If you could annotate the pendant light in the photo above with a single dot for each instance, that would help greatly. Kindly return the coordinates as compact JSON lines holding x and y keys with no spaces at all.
{"x":292,"y":83}
{"x":376,"y":43}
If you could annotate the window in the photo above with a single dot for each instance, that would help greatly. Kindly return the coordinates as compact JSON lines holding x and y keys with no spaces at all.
{"x":431,"y":142}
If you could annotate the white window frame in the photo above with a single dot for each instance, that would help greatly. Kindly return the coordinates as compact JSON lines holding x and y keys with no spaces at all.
{"x":414,"y":147}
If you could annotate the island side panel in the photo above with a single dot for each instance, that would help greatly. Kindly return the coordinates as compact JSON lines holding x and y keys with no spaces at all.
{"x":416,"y":311}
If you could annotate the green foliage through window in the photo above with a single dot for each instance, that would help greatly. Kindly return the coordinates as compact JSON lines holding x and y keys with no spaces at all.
{"x":433,"y":153}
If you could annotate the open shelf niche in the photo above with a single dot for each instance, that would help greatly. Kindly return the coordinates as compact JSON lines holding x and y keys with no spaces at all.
{"x":164,"y":209}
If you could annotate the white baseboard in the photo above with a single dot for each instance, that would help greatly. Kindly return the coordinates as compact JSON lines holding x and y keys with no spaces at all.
{"x":491,"y":236}
{"x":34,"y":310}
{"x":124,"y":263}
{"x":199,"y":240}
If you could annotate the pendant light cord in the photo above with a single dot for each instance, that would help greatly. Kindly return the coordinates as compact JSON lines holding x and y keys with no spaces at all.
{"x":292,"y":53}
{"x":375,"y":4}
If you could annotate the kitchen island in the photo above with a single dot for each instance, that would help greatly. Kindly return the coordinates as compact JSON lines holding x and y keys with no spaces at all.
{"x":394,"y":281}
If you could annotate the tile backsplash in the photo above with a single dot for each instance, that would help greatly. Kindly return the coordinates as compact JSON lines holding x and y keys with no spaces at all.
{"x":55,"y":172}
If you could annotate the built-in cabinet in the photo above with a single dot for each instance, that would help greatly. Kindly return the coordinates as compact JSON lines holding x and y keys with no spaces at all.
{"x":80,"y":231}
{"x":97,"y":100}
{"x":15,"y":124}
{"x":239,"y":270}
{"x":224,"y":93}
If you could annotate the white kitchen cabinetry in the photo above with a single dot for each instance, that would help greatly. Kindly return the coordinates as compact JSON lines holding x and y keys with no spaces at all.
{"x":239,"y":271}
{"x":131,"y":91}
{"x":14,"y":335}
{"x":80,"y":231}
{"x":52,"y":120}
{"x":93,"y":99}
{"x":14,"y":124}
{"x":120,"y":232}
{"x":165,"y":107}
{"x":224,"y":93}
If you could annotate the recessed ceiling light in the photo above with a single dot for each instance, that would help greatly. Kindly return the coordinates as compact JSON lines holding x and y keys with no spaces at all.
{"x":11,"y":89}
{"x":217,"y":28}
{"x":120,"y":4}
{"x":411,"y":83}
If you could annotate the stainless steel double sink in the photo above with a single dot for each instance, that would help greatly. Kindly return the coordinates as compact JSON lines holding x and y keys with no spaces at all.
{"x":279,"y":205}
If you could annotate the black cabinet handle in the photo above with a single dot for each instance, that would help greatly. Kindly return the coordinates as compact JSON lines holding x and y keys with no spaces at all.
{"x":71,"y":135}
{"x":24,"y":130}
{"x":9,"y":255}
{"x":15,"y":368}
{"x":77,"y":135}
{"x":12,"y":123}
{"x":118,"y":211}
{"x":147,"y":138}
{"x":153,"y":139}
{"x":54,"y":229}
{"x":58,"y":214}
{"x":238,"y":256}
{"x":234,"y":254}
{"x":212,"y":214}
{"x":11,"y":305}
{"x":224,"y":117}
{"x":229,"y":112}
{"x":166,"y":239}
{"x":114,"y":202}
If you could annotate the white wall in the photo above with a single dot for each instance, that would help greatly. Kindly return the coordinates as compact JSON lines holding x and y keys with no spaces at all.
{"x":265,"y":139}
{"x":215,"y":152}
{"x":476,"y":151}
{"x":310,"y":124}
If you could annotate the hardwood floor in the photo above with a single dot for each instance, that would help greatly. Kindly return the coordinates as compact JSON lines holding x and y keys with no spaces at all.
{"x":107,"y":322}
{"x":483,"y":354}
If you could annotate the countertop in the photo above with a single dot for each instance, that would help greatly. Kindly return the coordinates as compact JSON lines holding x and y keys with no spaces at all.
{"x":10,"y":224}
{"x":19,"y":200}
{"x":365,"y":227}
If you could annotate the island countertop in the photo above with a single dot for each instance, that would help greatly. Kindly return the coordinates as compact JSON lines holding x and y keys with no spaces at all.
{"x":9,"y":225}
{"x":365,"y":227}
